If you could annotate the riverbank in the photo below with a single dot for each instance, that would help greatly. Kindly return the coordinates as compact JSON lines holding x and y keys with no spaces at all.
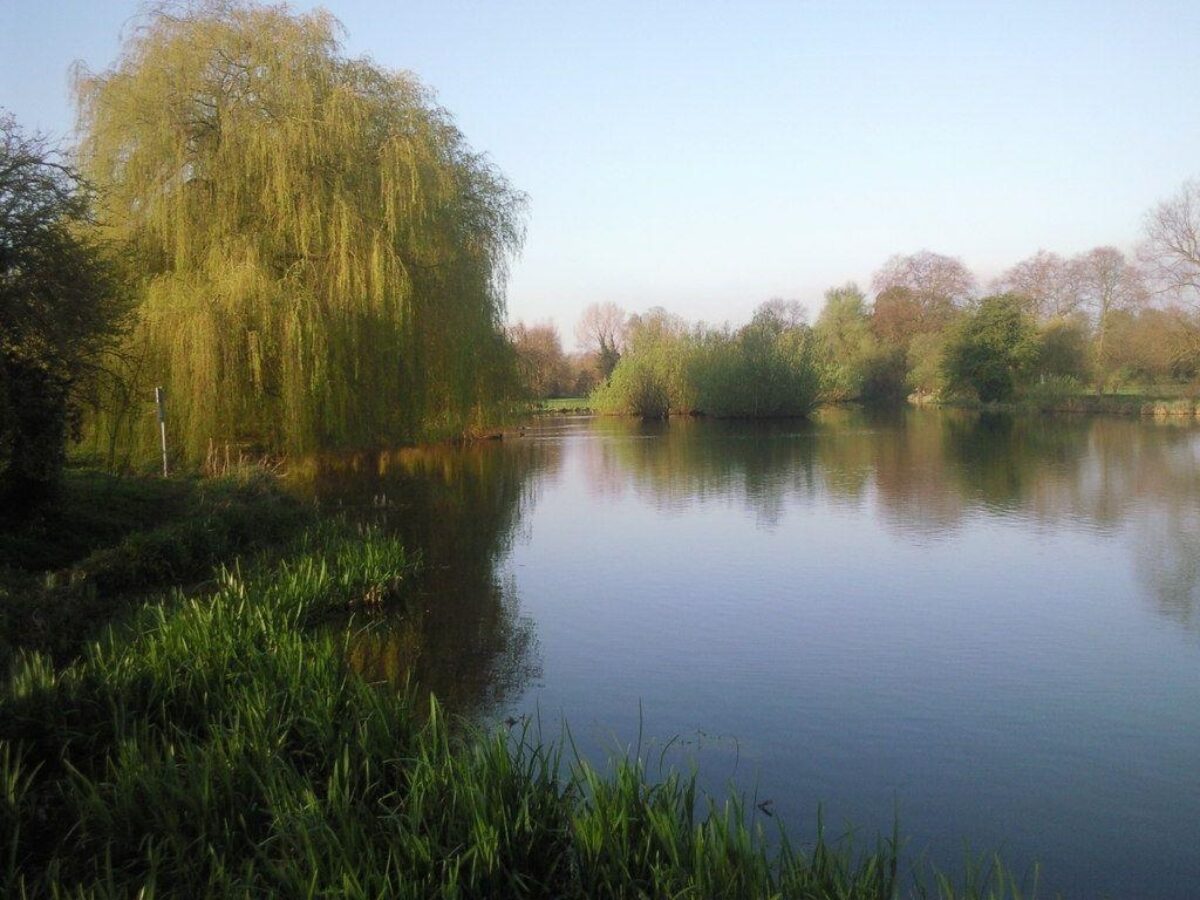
{"x":1176,"y":409}
{"x":562,"y":406}
{"x":217,"y":743}
{"x":107,"y":541}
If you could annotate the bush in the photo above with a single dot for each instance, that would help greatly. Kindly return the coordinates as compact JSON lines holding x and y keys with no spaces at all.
{"x":1052,"y":392}
{"x":926,"y":374}
{"x":990,"y":350}
{"x":766,"y":369}
{"x":884,"y":377}
{"x":638,"y":386}
{"x":1063,"y":349}
{"x":756,"y":374}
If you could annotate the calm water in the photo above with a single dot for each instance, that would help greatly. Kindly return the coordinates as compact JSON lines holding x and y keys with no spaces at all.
{"x":989,"y":625}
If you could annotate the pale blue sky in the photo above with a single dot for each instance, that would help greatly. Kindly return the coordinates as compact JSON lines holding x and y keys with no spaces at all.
{"x":708,"y":156}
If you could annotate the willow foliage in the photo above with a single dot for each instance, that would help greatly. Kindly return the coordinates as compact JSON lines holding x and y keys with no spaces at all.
{"x":322,"y":254}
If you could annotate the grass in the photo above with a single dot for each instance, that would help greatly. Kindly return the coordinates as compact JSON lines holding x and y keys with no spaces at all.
{"x":219,"y":745}
{"x":1174,"y":402}
{"x":1165,"y":391}
{"x":82,"y":562}
{"x":562,"y":404}
{"x":93,"y":509}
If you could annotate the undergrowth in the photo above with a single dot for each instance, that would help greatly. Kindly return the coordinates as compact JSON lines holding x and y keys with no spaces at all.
{"x":83,"y":561}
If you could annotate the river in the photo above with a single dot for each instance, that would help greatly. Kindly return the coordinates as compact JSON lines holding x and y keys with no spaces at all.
{"x":986,"y":626}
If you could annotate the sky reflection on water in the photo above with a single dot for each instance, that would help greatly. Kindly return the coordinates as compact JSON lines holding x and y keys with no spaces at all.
{"x":987,"y":624}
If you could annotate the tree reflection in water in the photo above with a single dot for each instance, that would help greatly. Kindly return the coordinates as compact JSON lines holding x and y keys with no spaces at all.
{"x":459,"y":633}
{"x":923,"y":473}
{"x":927,"y":472}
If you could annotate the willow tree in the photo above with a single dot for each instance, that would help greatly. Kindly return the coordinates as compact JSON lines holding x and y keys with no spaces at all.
{"x":322,"y":254}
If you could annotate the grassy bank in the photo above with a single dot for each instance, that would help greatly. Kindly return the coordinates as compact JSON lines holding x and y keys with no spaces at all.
{"x":82,"y":561}
{"x":1051,"y":401}
{"x":563,"y":405}
{"x":220,"y":746}
{"x":1124,"y":406}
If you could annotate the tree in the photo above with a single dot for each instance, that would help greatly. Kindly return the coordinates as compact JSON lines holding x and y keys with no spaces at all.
{"x":583,"y":374}
{"x":1172,"y":248}
{"x":1063,"y":347}
{"x":1152,"y":345}
{"x":62,"y":305}
{"x":653,"y":326}
{"x":924,"y":371}
{"x":843,"y":333}
{"x":780,"y":314}
{"x":766,"y":368}
{"x":885,"y":377}
{"x":915,"y":295}
{"x":1108,"y":283}
{"x":660,"y":346}
{"x":543,"y":367}
{"x":936,"y":280}
{"x":601,"y":330}
{"x":1046,"y":281}
{"x":991,"y":349}
{"x":322,"y":255}
{"x":897,"y":317}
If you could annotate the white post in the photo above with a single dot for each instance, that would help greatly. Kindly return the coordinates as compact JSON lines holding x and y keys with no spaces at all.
{"x":160,"y":398}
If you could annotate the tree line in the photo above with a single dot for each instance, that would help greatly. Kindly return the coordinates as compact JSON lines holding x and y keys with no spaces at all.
{"x":1046,"y":328}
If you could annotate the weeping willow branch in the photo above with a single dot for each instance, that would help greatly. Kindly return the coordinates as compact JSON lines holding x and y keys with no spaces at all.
{"x":321,"y":256}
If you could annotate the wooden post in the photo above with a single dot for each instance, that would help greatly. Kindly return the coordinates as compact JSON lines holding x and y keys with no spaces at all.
{"x":160,"y":399}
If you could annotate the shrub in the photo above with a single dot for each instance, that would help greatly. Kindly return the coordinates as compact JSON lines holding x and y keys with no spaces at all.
{"x":884,"y":376}
{"x":990,"y":349}
{"x":926,"y":374}
{"x":1052,"y":392}
{"x":1063,"y":349}
{"x":767,"y":368}
{"x":756,"y":374}
{"x":638,"y":387}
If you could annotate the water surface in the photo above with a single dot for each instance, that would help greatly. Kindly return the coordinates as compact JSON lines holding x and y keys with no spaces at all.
{"x":989,"y":625}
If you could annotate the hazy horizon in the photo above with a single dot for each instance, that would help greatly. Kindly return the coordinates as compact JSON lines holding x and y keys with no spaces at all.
{"x":706,"y":157}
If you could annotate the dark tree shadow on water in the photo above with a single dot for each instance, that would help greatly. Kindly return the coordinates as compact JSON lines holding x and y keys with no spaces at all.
{"x":458,"y":632}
